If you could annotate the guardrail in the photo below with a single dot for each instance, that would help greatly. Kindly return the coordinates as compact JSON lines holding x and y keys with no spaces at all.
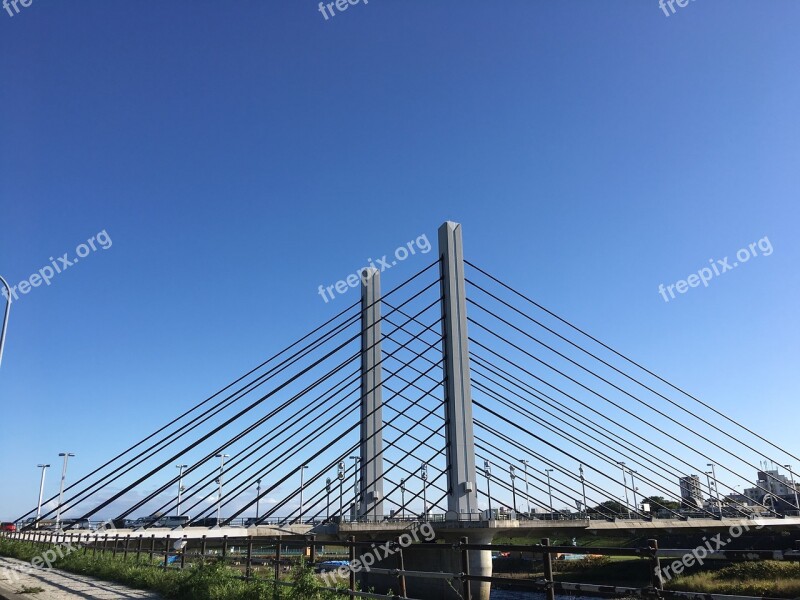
{"x":252,"y":553}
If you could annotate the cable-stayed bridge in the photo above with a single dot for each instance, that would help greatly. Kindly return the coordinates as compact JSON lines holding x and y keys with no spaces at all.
{"x":452,"y":398}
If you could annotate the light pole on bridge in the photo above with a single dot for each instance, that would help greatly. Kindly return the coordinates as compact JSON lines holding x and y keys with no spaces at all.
{"x":402,"y":499}
{"x":527,"y":494}
{"x":356,"y":494}
{"x":549,"y":490}
{"x":716,"y":489}
{"x":66,"y":456}
{"x":340,"y":476}
{"x":583,"y":488}
{"x":258,"y":498}
{"x":487,"y":470}
{"x":327,"y":499}
{"x":180,"y":487}
{"x":625,"y":486}
{"x":424,"y":476}
{"x":302,"y":474}
{"x":221,"y":458}
{"x":41,"y":493}
{"x":6,"y":314}
{"x":794,"y":486}
{"x":512,"y":472}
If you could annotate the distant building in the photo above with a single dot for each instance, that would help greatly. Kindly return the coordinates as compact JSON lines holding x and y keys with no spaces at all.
{"x":691,"y":492}
{"x":771,"y":483}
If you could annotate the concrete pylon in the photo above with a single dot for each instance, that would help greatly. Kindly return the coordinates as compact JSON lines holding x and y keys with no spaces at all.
{"x":462,"y":499}
{"x":370,"y":503}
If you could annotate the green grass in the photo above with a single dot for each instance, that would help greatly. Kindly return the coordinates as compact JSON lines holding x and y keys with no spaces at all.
{"x":767,"y":578}
{"x":203,"y":581}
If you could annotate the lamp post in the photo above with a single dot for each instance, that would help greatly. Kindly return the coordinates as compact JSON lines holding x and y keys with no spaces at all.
{"x":66,"y":456}
{"x":424,"y":476}
{"x":710,"y":485}
{"x":180,"y":486}
{"x":583,"y":487}
{"x":402,"y":499}
{"x":340,"y":476}
{"x":487,"y":471}
{"x":794,"y":487}
{"x":302,"y":473}
{"x":633,"y":488}
{"x":716,"y":488}
{"x":512,"y":472}
{"x":625,"y":485}
{"x":258,"y":498}
{"x":527,"y":495}
{"x":41,"y":494}
{"x":221,"y":458}
{"x":327,"y":499}
{"x":549,"y":490}
{"x":356,"y":494}
{"x":5,"y":317}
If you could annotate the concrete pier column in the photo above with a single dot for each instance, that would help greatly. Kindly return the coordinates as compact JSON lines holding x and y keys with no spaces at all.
{"x":438,"y":557}
{"x":462,"y":498}
{"x":370,"y":503}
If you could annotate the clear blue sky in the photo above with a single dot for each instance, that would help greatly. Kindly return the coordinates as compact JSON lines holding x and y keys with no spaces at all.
{"x":240,"y":154}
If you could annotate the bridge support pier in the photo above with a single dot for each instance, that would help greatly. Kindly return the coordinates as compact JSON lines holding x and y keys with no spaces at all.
{"x":435,"y":557}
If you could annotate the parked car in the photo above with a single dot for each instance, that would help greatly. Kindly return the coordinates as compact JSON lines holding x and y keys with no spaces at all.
{"x":206,"y":522}
{"x":173,"y":522}
{"x":8,"y":527}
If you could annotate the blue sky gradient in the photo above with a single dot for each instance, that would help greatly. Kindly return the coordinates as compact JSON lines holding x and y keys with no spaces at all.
{"x":241,"y":154}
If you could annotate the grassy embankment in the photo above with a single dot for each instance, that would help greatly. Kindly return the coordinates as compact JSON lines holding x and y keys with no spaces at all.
{"x":203,"y":581}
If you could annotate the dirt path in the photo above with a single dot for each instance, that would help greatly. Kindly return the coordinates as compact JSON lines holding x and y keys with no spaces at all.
{"x":60,"y":585}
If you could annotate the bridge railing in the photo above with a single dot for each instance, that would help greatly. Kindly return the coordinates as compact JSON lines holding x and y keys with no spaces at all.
{"x":252,"y":556}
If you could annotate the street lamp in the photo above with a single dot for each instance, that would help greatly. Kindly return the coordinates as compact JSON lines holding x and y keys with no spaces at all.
{"x":424,"y":476}
{"x":402,"y":499}
{"x":180,"y":486}
{"x":221,"y":458}
{"x":583,"y":486}
{"x":487,"y":470}
{"x":633,"y":488}
{"x":512,"y":472}
{"x":5,"y":318}
{"x":625,"y":485}
{"x":794,"y":487}
{"x":716,"y":488}
{"x":356,"y":494}
{"x":327,"y":499}
{"x":340,"y":475}
{"x":527,"y":495}
{"x":41,"y":493}
{"x":66,"y":456}
{"x":302,"y":472}
{"x":258,"y":498}
{"x":549,"y":490}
